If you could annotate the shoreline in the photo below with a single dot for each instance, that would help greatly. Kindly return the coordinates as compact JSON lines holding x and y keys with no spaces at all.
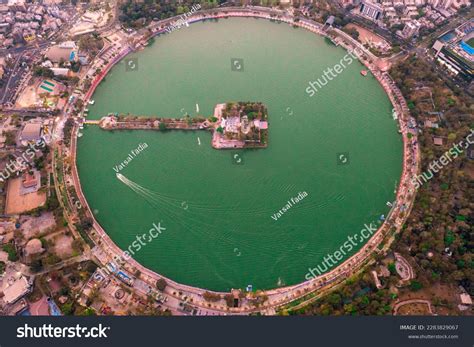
{"x":279,"y":296}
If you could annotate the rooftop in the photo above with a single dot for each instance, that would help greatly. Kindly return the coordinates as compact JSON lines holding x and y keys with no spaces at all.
{"x":16,"y":290}
{"x":31,"y":132}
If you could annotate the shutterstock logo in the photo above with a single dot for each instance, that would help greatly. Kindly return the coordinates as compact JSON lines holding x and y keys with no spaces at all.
{"x":48,"y":331}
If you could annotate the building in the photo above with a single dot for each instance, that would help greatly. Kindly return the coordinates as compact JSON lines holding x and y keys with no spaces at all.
{"x":15,"y":291}
{"x":370,"y":10}
{"x":231,"y":124}
{"x":17,"y":5}
{"x":64,"y":52}
{"x":454,"y":50}
{"x":31,"y":132}
{"x":438,"y":141}
{"x":60,"y":71}
{"x":4,"y":27}
{"x":431,"y":124}
{"x":29,"y":180}
{"x":261,"y":124}
{"x":89,"y":22}
{"x":411,"y":29}
{"x":329,"y":21}
{"x":470,"y":152}
{"x":465,"y":299}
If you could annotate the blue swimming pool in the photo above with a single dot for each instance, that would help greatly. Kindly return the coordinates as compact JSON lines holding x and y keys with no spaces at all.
{"x":54,"y":309}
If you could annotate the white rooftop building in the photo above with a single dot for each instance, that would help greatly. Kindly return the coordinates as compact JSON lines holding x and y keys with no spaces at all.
{"x":16,"y":290}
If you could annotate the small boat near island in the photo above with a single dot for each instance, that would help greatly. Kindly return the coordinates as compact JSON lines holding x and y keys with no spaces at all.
{"x":197,"y":108}
{"x":364,"y":73}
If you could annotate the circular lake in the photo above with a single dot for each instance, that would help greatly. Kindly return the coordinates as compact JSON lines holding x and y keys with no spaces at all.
{"x":339,"y":148}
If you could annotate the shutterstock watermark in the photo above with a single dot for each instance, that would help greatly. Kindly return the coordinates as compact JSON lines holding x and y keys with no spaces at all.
{"x":438,"y":164}
{"x":133,"y":248}
{"x":331,"y":260}
{"x":20,"y":163}
{"x":237,"y":64}
{"x":48,"y":331}
{"x":331,"y":73}
{"x":183,"y":19}
{"x":289,"y":204}
{"x":132,"y":155}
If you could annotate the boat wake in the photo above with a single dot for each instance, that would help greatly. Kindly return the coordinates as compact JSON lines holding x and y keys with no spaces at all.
{"x":161,"y":200}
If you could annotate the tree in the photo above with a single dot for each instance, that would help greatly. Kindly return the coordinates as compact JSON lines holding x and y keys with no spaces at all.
{"x":10,"y":249}
{"x":43,"y":71}
{"x":36,"y":265}
{"x":86,"y":224}
{"x":415,"y":285}
{"x":88,"y":312}
{"x":10,"y":139}
{"x":211,"y":297}
{"x":352,"y":32}
{"x":67,"y":309}
{"x":161,"y":284}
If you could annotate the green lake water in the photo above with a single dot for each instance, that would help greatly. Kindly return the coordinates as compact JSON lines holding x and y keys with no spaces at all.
{"x":220,"y":233}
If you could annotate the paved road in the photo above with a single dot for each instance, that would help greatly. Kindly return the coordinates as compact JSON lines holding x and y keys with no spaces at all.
{"x":13,"y":79}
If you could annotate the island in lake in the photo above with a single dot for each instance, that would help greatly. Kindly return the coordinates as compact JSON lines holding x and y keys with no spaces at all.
{"x":240,"y":125}
{"x":234,"y":124}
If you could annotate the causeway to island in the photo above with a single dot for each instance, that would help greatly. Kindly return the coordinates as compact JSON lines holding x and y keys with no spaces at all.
{"x":233,"y":125}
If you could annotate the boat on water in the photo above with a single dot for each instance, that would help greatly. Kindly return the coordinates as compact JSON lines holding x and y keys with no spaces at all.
{"x":91,"y":102}
{"x":364,"y":73}
{"x":197,"y":108}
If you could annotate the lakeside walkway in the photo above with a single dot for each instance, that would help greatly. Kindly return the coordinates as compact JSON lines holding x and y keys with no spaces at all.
{"x":145,"y":123}
{"x":280,"y":296}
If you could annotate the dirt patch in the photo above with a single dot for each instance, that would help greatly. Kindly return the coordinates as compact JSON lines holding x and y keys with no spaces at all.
{"x":3,"y":256}
{"x":416,"y":309}
{"x":366,"y":36}
{"x":35,"y":226}
{"x":17,"y":204}
{"x":63,"y":246}
{"x":444,"y":298}
{"x":28,"y":98}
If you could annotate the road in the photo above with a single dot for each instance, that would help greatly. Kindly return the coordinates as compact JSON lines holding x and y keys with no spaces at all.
{"x":13,"y":79}
{"x":277,"y":297}
{"x":285,"y":295}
